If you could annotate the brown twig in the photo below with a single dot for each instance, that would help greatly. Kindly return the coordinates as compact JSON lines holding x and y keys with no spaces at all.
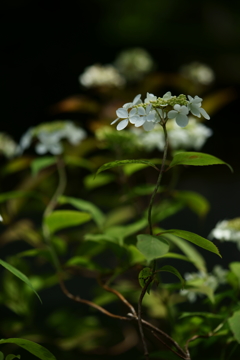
{"x":185,"y":356}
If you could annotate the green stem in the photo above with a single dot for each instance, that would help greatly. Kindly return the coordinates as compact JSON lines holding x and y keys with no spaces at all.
{"x":50,"y":207}
{"x":159,"y":179}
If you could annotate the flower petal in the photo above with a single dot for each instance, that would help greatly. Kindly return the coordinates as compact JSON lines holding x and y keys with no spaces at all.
{"x":141,"y":111}
{"x":133,"y":112}
{"x":172,"y":114}
{"x":204,"y":114}
{"x":184,"y":110}
{"x":122,"y":124}
{"x":114,"y":121}
{"x":140,"y":121}
{"x":122,"y":113}
{"x":148,"y":126}
{"x":182,"y":120}
{"x":136,"y":99}
{"x":133,"y":119}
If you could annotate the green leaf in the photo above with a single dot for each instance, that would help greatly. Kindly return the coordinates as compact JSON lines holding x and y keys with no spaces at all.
{"x":1,"y":356}
{"x":176,"y":256}
{"x":80,"y":204}
{"x":189,"y":251}
{"x":201,"y":314}
{"x":195,"y":239}
{"x":235,"y":268}
{"x":85,"y":263}
{"x":11,"y":357}
{"x":234,"y":323}
{"x":124,"y":162}
{"x":152,"y":247}
{"x":15,"y":194}
{"x":32,"y":347}
{"x":90,"y":182}
{"x":174,"y":271}
{"x":196,"y":202}
{"x":42,"y":163}
{"x":130,"y":169}
{"x":20,"y":275}
{"x":144,"y":275}
{"x":196,"y":159}
{"x":134,"y":255}
{"x":103,"y":237}
{"x":61,"y":219}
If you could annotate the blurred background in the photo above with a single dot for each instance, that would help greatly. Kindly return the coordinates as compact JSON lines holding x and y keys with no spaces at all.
{"x":47,"y":45}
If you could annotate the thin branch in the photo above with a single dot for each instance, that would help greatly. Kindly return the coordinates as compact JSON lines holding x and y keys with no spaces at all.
{"x":185,"y":357}
{"x":120,"y":296}
{"x":89,"y":303}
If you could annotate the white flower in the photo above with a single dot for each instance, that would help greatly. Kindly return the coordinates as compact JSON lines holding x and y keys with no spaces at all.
{"x":137,"y":100}
{"x":1,"y":219}
{"x":8,"y":147}
{"x":73,"y":134}
{"x":132,"y":116}
{"x":101,"y":75}
{"x":49,"y":142}
{"x":167,"y":96}
{"x":145,"y":115}
{"x":227,"y":230}
{"x":194,"y":106}
{"x":179,"y":114}
{"x":150,"y":97}
{"x":198,"y":72}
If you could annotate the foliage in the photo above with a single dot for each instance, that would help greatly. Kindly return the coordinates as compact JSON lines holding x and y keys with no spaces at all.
{"x":84,"y":230}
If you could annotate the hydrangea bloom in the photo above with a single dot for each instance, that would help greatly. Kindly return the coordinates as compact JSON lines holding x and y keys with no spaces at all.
{"x":49,"y":137}
{"x":158,"y":110}
{"x":101,"y":75}
{"x":227,"y":230}
{"x":198,"y":72}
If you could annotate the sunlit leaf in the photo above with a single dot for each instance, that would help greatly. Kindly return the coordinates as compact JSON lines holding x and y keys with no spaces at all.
{"x":1,"y":356}
{"x":188,"y":250}
{"x":134,"y":255}
{"x":32,"y":347}
{"x":196,"y":159}
{"x":42,"y":163}
{"x":130,"y":169}
{"x":61,"y":219}
{"x":91,"y":182}
{"x":152,"y":247}
{"x":124,"y":162}
{"x":15,"y":194}
{"x":84,"y":262}
{"x":11,"y":357}
{"x":195,"y":239}
{"x":174,"y":271}
{"x":201,"y":314}
{"x":84,"y":205}
{"x":20,"y":275}
{"x":196,"y":202}
{"x":234,"y":322}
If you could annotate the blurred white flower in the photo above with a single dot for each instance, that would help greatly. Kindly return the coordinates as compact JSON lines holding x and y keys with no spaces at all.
{"x":194,"y":106}
{"x":50,"y":135}
{"x":193,"y":136}
{"x":1,"y":219}
{"x":134,"y":63}
{"x":101,"y":75}
{"x":198,"y":72}
{"x":8,"y":147}
{"x":227,"y":230}
{"x":200,"y":280}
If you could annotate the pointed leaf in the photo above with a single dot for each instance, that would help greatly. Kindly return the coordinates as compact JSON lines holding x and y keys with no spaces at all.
{"x":174,"y":271}
{"x":42,"y":163}
{"x":20,"y":275}
{"x":234,"y":322}
{"x":189,"y":250}
{"x":80,"y":204}
{"x":124,"y":162}
{"x":196,"y":159}
{"x":202,"y":314}
{"x":152,"y":247}
{"x":196,"y":202}
{"x":195,"y":239}
{"x":61,"y":219}
{"x":11,"y":357}
{"x":32,"y":347}
{"x":91,"y":182}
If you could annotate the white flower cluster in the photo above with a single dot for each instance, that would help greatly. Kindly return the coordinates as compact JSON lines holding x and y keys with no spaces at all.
{"x":101,"y":75}
{"x":158,"y":110}
{"x":198,"y":72}
{"x":134,"y":63}
{"x":8,"y":147}
{"x":193,"y":136}
{"x":49,"y":137}
{"x":227,"y":230}
{"x":203,"y":279}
